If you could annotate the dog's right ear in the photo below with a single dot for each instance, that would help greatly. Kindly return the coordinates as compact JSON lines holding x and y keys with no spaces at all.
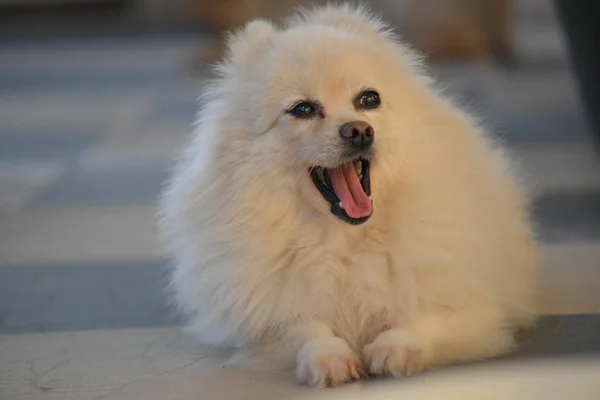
{"x":250,"y":42}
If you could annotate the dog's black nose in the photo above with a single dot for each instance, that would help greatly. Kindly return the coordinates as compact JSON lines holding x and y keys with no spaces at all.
{"x":357,"y":134}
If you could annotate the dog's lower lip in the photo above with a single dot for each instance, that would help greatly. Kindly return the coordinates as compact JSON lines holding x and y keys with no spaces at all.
{"x":321,"y":180}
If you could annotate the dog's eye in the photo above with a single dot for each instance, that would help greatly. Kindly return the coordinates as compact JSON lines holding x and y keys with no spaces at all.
{"x":368,"y":100}
{"x":303,"y":110}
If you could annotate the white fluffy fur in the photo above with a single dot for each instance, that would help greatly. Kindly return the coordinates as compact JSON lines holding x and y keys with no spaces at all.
{"x":445,"y":270}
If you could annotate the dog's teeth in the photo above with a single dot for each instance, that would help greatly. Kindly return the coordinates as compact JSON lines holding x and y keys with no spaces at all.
{"x":358,"y":166}
{"x":341,"y":205}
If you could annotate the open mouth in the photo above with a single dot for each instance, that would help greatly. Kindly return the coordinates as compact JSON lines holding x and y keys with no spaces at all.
{"x":347,"y":188}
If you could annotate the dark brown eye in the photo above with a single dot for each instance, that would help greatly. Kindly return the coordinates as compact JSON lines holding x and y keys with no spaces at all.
{"x":368,"y":100}
{"x":303,"y":110}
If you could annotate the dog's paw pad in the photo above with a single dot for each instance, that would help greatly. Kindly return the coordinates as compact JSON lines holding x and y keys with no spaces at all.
{"x":327,"y":362}
{"x":395,"y":352}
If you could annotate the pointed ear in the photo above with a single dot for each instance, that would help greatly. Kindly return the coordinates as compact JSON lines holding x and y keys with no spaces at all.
{"x":250,"y":42}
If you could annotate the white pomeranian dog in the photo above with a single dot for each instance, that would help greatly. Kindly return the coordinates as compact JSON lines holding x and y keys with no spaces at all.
{"x":334,"y":213}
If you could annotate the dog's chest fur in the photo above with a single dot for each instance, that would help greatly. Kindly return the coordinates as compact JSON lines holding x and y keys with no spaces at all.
{"x":350,"y":283}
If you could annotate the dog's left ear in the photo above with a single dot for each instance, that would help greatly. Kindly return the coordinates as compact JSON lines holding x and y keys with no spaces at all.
{"x":250,"y":42}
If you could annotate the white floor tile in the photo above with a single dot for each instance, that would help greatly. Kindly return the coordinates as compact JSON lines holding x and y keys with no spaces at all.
{"x":129,"y":364}
{"x":158,"y":143}
{"x":85,"y":234}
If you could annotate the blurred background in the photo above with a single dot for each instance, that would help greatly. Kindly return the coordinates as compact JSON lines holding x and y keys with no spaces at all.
{"x":96,"y":96}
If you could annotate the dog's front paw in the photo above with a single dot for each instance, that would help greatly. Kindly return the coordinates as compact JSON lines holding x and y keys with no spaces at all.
{"x":326,"y":362}
{"x":395,"y":352}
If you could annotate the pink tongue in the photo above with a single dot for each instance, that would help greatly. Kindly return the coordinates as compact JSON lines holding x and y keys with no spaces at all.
{"x":348,"y":189}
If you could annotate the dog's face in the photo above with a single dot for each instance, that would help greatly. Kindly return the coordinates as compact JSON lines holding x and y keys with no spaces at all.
{"x":322,"y":108}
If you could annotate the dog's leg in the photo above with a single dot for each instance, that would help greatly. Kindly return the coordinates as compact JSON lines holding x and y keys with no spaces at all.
{"x":436,"y":338}
{"x":322,"y":359}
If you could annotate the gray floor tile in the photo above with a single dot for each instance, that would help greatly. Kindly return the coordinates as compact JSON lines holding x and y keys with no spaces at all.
{"x":558,"y":167}
{"x":562,"y":334}
{"x":44,"y":144}
{"x":178,"y":99}
{"x":525,"y":129}
{"x":176,"y":106}
{"x":111,"y":186}
{"x":568,"y":216}
{"x":81,"y":297}
{"x":92,"y":56}
{"x":98,"y":82}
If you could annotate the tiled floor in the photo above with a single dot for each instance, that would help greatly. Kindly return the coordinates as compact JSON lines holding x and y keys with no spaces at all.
{"x":87,"y":128}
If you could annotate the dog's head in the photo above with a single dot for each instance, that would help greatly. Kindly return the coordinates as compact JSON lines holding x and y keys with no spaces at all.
{"x":324,"y":103}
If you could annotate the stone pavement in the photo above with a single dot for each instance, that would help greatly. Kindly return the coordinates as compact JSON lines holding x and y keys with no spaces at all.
{"x":87,"y":130}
